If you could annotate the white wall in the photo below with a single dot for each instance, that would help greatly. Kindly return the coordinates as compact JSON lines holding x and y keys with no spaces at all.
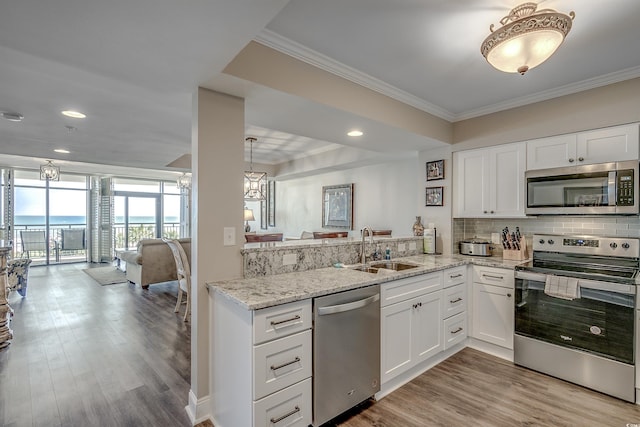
{"x":384,"y":198}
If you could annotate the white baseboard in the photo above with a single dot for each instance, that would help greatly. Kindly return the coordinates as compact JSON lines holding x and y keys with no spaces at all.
{"x":198,"y":410}
{"x":492,"y":349}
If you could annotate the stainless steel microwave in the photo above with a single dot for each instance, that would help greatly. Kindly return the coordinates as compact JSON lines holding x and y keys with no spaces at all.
{"x":605,"y":188}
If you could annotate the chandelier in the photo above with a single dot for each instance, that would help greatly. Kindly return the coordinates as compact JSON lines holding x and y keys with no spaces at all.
{"x":49,"y":172}
{"x":255,"y":183}
{"x":527,"y":38}
{"x":184,"y":182}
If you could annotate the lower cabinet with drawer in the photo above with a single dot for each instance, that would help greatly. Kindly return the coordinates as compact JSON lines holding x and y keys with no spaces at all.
{"x":454,"y":313}
{"x":493,"y":310}
{"x":261,"y":364}
{"x":411,"y":323}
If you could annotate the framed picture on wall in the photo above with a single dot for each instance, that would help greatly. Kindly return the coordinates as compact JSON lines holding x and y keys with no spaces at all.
{"x":435,"y":170}
{"x":434,"y":196}
{"x":337,"y":206}
{"x":271,"y":205}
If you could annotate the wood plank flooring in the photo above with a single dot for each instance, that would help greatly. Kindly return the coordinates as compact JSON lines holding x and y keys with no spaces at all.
{"x":472,"y":388}
{"x":91,"y":355}
{"x":117,"y":355}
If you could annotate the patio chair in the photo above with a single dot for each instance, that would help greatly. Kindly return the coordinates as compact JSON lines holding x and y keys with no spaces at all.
{"x":72,"y":239}
{"x":33,"y":240}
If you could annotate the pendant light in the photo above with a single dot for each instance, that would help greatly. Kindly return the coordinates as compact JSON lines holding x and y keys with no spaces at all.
{"x":255,"y":183}
{"x":49,"y":172}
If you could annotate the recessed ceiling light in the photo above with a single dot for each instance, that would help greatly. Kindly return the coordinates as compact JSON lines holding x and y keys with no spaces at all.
{"x":62,"y":151}
{"x":12,"y":117}
{"x":355,"y":133}
{"x":74,"y":114}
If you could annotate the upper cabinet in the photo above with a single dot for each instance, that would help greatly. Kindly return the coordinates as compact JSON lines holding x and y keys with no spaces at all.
{"x":611,"y":144}
{"x":490,"y":182}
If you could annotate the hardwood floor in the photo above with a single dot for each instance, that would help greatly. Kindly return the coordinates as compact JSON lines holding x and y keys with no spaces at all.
{"x":91,"y":355}
{"x":474,"y":388}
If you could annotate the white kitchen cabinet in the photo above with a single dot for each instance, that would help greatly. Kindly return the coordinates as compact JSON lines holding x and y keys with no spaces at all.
{"x":262,"y":364}
{"x":612,"y":144}
{"x":493,"y":310}
{"x":490,"y":182}
{"x":411,"y":329}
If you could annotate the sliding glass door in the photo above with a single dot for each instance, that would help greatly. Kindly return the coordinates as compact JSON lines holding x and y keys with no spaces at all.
{"x":137,"y":217}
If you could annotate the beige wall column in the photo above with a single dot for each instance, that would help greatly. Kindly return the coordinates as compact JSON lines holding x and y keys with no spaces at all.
{"x":217,"y":166}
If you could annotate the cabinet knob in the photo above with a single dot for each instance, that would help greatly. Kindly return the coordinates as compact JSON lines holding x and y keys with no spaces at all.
{"x":508,"y":295}
{"x":492,"y":212}
{"x":581,"y":159}
{"x":484,"y":211}
{"x":571,"y":160}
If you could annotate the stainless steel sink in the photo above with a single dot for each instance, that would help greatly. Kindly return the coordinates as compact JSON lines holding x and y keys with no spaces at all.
{"x":366,"y":269}
{"x":390,"y":265}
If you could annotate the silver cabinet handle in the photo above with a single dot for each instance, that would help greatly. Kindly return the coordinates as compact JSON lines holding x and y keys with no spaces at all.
{"x":275,"y":368}
{"x":416,"y":305}
{"x":280,"y":322}
{"x":455,"y":300}
{"x":455,"y":276}
{"x":287,"y":415}
{"x":457,"y":330}
{"x":493,"y":277}
{"x":332,"y":309}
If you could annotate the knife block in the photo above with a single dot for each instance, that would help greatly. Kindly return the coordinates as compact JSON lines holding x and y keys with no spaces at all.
{"x":516,"y":254}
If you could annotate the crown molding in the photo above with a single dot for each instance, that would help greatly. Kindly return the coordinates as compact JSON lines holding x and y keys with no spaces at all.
{"x":316,"y":59}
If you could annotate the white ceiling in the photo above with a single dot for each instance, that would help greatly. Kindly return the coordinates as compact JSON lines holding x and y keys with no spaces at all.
{"x":132,"y":66}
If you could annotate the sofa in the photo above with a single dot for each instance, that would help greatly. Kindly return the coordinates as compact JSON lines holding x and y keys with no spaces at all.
{"x":152,"y":262}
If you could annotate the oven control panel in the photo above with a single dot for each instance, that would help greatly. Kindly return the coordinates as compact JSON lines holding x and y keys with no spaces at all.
{"x":627,"y":247}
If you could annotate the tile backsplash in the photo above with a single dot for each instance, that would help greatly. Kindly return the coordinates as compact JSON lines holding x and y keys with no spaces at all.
{"x":616,"y":226}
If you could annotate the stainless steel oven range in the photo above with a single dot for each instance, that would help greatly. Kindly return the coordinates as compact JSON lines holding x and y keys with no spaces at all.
{"x":574,"y":311}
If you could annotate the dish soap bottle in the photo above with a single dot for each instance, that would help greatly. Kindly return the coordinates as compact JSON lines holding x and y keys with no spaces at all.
{"x":387,"y":253}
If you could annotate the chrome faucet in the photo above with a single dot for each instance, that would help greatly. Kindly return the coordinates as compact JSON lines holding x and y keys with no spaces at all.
{"x":363,"y":256}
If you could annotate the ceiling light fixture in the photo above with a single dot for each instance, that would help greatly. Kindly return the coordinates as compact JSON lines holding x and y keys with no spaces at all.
{"x":355,"y":133}
{"x":184,"y":182}
{"x":527,"y":38}
{"x":255,"y":183}
{"x":73,"y":114}
{"x":49,"y":172}
{"x":62,"y":151}
{"x":11,"y":116}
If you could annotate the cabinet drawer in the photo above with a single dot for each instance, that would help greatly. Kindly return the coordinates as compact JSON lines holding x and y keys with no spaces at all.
{"x":455,"y":300}
{"x":280,"y":363}
{"x":455,"y":276}
{"x":404,"y":289}
{"x":281,"y":320}
{"x":290,"y":407}
{"x":493,"y":276}
{"x":455,"y":330}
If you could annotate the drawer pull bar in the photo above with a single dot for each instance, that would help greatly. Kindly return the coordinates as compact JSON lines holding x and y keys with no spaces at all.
{"x":493,"y":277}
{"x":287,"y":415}
{"x":280,"y":322}
{"x":455,"y":300}
{"x":275,"y":368}
{"x":455,"y":276}
{"x":457,"y":330}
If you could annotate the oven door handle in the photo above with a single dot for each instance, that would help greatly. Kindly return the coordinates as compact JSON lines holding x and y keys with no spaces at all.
{"x":611,"y":188}
{"x":534,"y":277}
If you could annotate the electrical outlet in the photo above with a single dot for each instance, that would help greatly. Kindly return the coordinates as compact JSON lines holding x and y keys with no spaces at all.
{"x":289,"y":259}
{"x":402,"y":247}
{"x":495,"y":238}
{"x":229,"y":236}
{"x":412,"y":246}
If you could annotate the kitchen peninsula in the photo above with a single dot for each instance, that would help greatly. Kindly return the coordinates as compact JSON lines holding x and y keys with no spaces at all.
{"x":262,"y":324}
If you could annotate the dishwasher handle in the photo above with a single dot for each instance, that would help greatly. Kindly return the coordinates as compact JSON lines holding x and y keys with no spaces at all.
{"x":354,"y":305}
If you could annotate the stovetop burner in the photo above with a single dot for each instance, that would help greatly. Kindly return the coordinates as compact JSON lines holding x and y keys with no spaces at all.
{"x":594,"y":258}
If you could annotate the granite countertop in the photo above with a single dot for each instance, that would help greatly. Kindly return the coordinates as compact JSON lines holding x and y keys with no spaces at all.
{"x":267,"y":291}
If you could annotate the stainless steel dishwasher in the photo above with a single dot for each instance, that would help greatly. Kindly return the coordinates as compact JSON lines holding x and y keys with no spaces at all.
{"x":346,"y":351}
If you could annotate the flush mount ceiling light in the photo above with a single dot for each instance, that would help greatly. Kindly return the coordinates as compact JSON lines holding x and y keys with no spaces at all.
{"x":184,"y":181}
{"x":62,"y":151}
{"x":527,"y":38}
{"x":255,"y":183}
{"x":49,"y":172}
{"x":73,"y":114}
{"x":11,"y":116}
{"x":355,"y":133}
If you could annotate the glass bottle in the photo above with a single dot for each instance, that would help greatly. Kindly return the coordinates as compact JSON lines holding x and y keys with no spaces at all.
{"x":418,"y":228}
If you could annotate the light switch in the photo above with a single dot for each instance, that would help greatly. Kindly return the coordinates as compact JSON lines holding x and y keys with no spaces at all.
{"x":229,"y":236}
{"x":289,"y":259}
{"x":495,"y":238}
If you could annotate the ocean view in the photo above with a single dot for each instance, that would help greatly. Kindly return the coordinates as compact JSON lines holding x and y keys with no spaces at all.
{"x":71,"y":220}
